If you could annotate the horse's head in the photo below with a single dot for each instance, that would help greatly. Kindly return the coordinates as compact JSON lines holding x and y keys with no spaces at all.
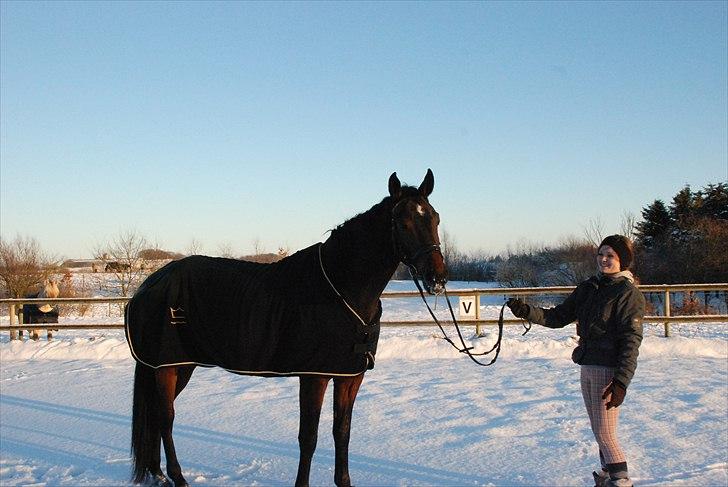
{"x":414,"y":230}
{"x":48,"y":289}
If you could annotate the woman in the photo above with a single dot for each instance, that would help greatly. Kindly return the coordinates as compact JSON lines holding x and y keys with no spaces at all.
{"x":609,"y":310}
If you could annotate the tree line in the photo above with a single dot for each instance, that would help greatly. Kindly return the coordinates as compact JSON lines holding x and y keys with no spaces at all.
{"x":684,"y":241}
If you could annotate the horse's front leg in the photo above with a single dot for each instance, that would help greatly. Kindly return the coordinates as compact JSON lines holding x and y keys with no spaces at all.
{"x":311,"y":397}
{"x":345,"y":390}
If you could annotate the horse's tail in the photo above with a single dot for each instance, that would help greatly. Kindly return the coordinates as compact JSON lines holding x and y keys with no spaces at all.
{"x":145,"y":432}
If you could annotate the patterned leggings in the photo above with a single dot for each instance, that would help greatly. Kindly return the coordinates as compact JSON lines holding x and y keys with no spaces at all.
{"x":594,"y":380}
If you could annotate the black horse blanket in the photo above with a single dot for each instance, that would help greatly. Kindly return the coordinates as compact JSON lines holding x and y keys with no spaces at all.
{"x":255,"y":319}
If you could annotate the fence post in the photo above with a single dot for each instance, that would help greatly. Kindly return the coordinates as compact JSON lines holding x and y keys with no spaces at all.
{"x":13,"y":333}
{"x":21,"y":320}
{"x":667,"y":312}
{"x":477,"y":314}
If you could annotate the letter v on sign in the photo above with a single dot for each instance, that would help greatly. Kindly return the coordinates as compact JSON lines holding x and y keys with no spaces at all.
{"x":467,"y":308}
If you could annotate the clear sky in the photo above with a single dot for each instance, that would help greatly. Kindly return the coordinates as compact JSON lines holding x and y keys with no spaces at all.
{"x":231,"y":123}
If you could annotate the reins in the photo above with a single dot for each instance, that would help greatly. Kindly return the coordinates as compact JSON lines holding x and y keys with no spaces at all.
{"x":465,"y":349}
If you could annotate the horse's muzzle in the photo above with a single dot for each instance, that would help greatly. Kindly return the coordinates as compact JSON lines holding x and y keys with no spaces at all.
{"x":435,"y":285}
{"x":438,"y":289}
{"x":432,"y":270}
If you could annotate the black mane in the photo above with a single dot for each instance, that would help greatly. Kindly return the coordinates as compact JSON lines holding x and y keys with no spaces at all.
{"x":361,"y":225}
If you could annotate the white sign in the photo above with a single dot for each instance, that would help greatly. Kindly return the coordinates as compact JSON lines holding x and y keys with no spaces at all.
{"x":468,"y":307}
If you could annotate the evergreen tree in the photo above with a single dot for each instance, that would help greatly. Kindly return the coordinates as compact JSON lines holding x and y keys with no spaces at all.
{"x":683,"y":205}
{"x":656,"y":224}
{"x":714,"y":201}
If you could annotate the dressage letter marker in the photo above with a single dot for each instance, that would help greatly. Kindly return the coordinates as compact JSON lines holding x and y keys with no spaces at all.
{"x":469,"y":307}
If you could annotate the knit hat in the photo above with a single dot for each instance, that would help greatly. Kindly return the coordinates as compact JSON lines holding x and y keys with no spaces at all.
{"x":623,"y":247}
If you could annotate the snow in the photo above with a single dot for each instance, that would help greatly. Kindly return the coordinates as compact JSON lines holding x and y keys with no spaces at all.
{"x":425,"y":415}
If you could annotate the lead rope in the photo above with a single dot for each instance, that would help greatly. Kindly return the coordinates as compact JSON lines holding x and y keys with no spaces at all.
{"x":465,"y":349}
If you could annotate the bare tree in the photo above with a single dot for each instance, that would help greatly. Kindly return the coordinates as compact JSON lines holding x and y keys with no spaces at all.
{"x":627,"y":225}
{"x":520,"y":268}
{"x":123,"y":257}
{"x":226,"y":250}
{"x":448,"y":246}
{"x":594,"y":231}
{"x":570,"y":263}
{"x":23,"y":266}
{"x":257,"y":246}
{"x":195,"y":247}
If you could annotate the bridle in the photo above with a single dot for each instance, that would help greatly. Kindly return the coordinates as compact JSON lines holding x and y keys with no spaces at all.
{"x":409,"y":261}
{"x":402,"y":255}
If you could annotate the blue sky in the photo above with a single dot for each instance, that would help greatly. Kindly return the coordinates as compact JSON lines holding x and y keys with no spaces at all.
{"x":236,"y":122}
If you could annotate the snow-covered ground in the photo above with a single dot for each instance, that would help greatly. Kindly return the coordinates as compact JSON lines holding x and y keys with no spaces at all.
{"x":424,"y":415}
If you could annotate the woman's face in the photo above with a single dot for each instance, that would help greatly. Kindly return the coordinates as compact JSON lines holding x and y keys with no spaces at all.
{"x":607,"y":260}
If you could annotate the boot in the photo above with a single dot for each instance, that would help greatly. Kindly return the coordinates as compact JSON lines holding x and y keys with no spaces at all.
{"x":618,"y":475}
{"x":623,"y":482}
{"x":601,"y":478}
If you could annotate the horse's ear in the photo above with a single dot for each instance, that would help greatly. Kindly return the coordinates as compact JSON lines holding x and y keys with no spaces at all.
{"x":427,"y":184}
{"x":395,"y":187}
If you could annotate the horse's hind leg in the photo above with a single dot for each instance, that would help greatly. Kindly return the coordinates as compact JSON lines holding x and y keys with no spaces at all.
{"x":311,"y":397}
{"x":345,"y":391}
{"x":170,"y":382}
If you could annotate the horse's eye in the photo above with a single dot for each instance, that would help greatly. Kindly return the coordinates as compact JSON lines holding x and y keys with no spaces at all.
{"x":405,"y":224}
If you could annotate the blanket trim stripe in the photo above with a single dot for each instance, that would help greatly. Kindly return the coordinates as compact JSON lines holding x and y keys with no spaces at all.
{"x":241,"y":372}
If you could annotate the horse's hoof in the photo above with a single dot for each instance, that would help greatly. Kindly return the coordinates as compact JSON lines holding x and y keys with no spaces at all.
{"x":180,"y":482}
{"x":160,"y":480}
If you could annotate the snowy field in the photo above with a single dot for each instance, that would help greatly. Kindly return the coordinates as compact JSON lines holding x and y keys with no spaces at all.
{"x":424,"y":415}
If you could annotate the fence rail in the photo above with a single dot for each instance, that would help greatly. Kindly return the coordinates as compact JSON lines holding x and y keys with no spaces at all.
{"x":666,"y":318}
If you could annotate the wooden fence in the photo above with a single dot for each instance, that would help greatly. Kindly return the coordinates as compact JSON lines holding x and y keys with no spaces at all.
{"x":475,"y":294}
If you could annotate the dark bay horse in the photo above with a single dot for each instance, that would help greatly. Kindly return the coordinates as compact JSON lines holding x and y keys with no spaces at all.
{"x":355,"y":262}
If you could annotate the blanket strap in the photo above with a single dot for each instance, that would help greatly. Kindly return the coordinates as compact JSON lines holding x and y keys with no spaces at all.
{"x":366,"y":350}
{"x":370,"y":331}
{"x":321,"y":263}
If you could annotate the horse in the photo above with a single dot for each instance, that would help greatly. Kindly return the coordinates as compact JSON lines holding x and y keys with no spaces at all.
{"x":37,"y":313}
{"x":46,"y":289}
{"x":329,"y":334}
{"x":115,"y":266}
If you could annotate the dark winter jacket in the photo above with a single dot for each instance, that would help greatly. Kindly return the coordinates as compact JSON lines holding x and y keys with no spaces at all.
{"x":609,"y":311}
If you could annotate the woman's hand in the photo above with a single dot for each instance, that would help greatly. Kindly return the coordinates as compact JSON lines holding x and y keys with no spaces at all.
{"x":518,"y":308}
{"x":617,"y":391}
